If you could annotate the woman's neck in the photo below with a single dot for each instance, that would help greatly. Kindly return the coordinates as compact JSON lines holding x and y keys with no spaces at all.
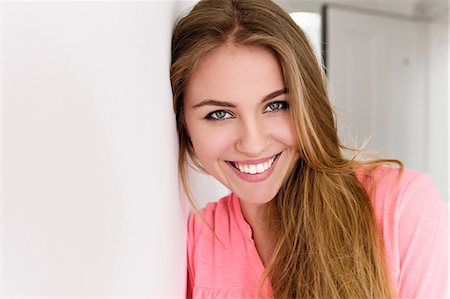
{"x":255,"y":216}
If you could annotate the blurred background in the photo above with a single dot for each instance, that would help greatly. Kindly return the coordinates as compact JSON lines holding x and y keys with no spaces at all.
{"x":90,"y":202}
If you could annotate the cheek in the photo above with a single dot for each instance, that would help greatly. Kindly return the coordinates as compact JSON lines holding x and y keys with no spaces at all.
{"x":284,"y":130}
{"x":291,"y":134}
{"x":211,"y":144}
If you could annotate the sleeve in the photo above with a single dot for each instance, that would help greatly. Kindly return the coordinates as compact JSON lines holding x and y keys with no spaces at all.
{"x":190,"y":256}
{"x":423,"y":242}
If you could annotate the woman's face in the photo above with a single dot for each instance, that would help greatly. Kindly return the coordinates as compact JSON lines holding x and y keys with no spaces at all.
{"x":236,"y":113}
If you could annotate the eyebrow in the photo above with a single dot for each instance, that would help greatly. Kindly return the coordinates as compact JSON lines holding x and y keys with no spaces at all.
{"x":212,"y":102}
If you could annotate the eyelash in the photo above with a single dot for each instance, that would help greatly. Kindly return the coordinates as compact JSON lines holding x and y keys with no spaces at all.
{"x":284,"y":106}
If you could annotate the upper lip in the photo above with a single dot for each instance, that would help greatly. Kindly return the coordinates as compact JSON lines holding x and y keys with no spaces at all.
{"x":255,"y":161}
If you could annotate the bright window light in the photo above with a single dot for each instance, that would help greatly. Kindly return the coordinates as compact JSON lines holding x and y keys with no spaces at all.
{"x":311,"y":25}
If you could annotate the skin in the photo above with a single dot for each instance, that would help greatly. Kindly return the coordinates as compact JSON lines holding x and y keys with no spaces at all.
{"x":242,"y":89}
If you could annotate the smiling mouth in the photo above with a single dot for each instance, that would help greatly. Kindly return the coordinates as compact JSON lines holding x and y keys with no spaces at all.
{"x":255,"y":168}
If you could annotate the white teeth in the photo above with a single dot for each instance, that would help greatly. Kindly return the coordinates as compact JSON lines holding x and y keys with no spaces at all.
{"x":255,"y":168}
{"x":246,"y":169}
{"x":260,"y":168}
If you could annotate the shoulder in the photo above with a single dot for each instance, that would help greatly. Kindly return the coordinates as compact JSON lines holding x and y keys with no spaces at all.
{"x":202,"y":234}
{"x":218,"y":209}
{"x":222,"y":259}
{"x":399,"y":187}
{"x":386,"y":176}
{"x":211,"y":219}
{"x":403,"y":202}
{"x":413,"y":222}
{"x":414,"y":225}
{"x":412,"y":195}
{"x":394,"y":192}
{"x":214,"y":211}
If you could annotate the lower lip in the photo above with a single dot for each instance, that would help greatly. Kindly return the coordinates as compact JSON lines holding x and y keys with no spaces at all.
{"x":257,"y":177}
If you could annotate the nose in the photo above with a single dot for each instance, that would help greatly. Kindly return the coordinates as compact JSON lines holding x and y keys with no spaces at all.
{"x":252,"y":138}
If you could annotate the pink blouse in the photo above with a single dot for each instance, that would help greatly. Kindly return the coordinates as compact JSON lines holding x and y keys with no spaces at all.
{"x":413,"y":222}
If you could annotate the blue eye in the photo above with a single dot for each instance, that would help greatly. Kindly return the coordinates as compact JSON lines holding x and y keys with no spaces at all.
{"x":277,"y":106}
{"x":218,"y":115}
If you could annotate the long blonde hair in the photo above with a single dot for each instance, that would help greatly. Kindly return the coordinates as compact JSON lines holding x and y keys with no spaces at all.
{"x":327,"y":244}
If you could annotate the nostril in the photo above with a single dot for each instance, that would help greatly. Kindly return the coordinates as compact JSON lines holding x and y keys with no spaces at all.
{"x":251,"y":148}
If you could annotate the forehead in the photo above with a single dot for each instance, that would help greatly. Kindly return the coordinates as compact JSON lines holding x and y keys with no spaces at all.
{"x":235,"y":73}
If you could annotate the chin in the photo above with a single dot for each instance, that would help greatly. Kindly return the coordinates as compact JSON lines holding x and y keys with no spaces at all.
{"x":260,"y":197}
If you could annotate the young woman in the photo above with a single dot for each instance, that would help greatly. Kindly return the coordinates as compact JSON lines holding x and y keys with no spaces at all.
{"x":302,"y":221}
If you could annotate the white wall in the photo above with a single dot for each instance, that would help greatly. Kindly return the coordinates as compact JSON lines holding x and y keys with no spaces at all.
{"x":376,"y":71}
{"x":89,"y":199}
{"x":438,"y":97}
